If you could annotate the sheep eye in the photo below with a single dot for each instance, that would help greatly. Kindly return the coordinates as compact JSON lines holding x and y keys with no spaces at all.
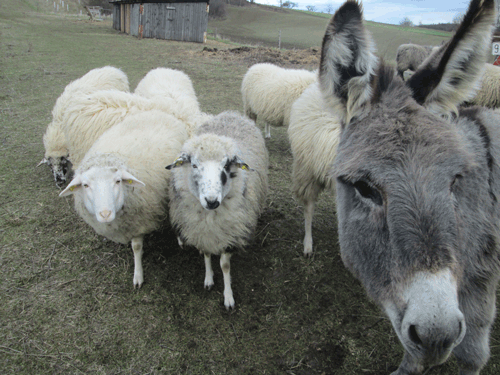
{"x":194,"y":165}
{"x":118,"y":182}
{"x":367,"y":192}
{"x":85,"y":185}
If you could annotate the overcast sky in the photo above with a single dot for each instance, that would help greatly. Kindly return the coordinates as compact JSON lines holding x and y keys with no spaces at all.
{"x":392,"y":11}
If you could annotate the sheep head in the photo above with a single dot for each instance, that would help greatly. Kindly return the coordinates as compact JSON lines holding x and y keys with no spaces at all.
{"x":210,"y":162}
{"x":103,"y":190}
{"x":60,"y":167}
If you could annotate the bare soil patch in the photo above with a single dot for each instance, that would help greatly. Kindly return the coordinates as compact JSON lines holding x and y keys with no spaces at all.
{"x":303,"y":58}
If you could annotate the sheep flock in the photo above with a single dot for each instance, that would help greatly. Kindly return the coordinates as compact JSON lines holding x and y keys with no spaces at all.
{"x":139,"y":160}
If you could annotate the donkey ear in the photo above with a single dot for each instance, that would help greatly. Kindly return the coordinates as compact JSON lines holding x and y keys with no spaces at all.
{"x":348,"y":63}
{"x":452,"y":74}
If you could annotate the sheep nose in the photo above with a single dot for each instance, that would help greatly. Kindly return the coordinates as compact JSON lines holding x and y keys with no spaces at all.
{"x":212,"y":204}
{"x":105,"y":214}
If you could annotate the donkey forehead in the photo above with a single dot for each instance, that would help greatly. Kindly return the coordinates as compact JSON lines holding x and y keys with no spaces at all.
{"x":400,"y":139}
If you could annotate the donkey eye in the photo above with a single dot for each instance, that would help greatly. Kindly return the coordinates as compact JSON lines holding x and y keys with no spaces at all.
{"x":368,"y":192}
{"x":455,"y":180}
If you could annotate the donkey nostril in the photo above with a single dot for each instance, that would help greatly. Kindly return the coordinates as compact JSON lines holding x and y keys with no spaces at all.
{"x":412,"y":331}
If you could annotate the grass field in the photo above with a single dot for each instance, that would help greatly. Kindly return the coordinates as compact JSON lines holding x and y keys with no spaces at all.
{"x":260,"y":25}
{"x":67,"y":305}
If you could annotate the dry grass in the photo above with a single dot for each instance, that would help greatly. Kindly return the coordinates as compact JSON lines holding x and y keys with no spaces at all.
{"x":67,"y":304}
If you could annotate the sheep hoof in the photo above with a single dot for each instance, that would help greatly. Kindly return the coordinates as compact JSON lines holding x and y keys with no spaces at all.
{"x":229,"y":303}
{"x":138,"y":282}
{"x":208,"y":286}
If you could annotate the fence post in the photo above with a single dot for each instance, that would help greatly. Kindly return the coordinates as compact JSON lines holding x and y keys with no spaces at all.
{"x":279,"y":40}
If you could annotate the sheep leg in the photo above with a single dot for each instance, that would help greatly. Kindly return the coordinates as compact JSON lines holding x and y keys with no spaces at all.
{"x":268,"y":131}
{"x":209,"y":273}
{"x":308,"y":217}
{"x":226,"y":268}
{"x":137,"y":243}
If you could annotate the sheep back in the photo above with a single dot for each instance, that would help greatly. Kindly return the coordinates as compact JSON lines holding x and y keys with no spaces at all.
{"x":268,"y":91}
{"x":489,"y":93}
{"x":142,"y":144}
{"x":104,"y":78}
{"x":89,"y":116}
{"x":314,"y":135}
{"x":233,"y":222}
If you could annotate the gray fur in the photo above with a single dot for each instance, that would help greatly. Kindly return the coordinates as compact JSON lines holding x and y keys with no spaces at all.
{"x":418,"y":182}
{"x":410,"y":56}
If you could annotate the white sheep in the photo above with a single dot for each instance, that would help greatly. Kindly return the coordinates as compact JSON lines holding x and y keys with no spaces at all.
{"x":268,"y":91}
{"x":218,"y":189}
{"x":89,"y":116}
{"x":121,"y":187}
{"x":161,"y":83}
{"x":54,"y":141}
{"x":410,"y":56}
{"x":314,"y":135}
{"x":489,"y":93}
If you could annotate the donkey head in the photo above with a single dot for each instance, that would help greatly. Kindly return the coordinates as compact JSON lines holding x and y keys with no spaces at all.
{"x":405,"y":176}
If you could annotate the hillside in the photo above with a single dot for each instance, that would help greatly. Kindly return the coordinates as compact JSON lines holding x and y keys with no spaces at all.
{"x":260,"y":25}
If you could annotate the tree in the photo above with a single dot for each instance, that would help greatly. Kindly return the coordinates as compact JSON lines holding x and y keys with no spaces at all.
{"x":329,"y":8}
{"x":406,"y":22}
{"x":457,"y":20}
{"x":290,"y":5}
{"x":311,"y":8}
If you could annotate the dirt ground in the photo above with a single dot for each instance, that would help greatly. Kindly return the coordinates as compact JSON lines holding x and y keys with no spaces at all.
{"x":303,"y":59}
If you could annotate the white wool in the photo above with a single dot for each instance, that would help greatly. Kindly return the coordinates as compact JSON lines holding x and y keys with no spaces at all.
{"x":176,"y":87}
{"x":268,"y":92}
{"x":144,"y":144}
{"x":104,"y":78}
{"x":141,"y":146}
{"x":89,"y":116}
{"x":232,"y":223}
{"x":314,"y":136}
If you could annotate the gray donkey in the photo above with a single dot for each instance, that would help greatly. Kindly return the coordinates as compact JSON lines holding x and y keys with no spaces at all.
{"x":418,"y":182}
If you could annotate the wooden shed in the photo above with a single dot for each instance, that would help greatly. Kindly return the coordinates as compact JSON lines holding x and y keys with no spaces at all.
{"x":184,"y":20}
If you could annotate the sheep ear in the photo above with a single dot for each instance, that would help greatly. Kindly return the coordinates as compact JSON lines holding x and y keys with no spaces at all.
{"x":348,"y":63}
{"x":184,"y":158}
{"x":240,"y":164}
{"x":452,"y":74}
{"x":72,"y":187}
{"x":44,"y":161}
{"x":129,"y":180}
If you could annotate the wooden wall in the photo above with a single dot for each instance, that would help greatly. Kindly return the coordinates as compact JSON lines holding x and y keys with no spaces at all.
{"x":174,"y":21}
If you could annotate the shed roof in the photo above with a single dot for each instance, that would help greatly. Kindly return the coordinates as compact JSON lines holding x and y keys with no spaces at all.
{"x":117,"y":2}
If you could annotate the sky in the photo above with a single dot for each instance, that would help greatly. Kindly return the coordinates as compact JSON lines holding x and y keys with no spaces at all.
{"x":387,"y":11}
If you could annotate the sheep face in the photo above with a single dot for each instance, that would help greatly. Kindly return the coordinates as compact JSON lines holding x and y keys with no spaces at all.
{"x":60,"y":167}
{"x":103,"y":190}
{"x":210,"y":181}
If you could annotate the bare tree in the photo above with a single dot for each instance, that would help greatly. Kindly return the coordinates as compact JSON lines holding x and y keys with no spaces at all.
{"x":457,"y":20}
{"x":406,"y":22}
{"x":311,"y":8}
{"x":290,"y":4}
{"x":329,"y":8}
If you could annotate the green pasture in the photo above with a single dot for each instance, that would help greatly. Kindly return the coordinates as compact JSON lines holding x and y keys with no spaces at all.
{"x":67,"y":303}
{"x":260,"y":25}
